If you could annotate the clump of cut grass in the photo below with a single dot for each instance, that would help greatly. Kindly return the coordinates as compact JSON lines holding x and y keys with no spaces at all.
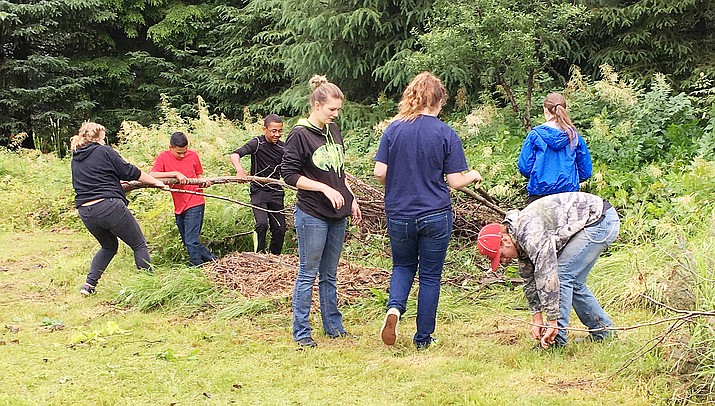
{"x":181,"y":290}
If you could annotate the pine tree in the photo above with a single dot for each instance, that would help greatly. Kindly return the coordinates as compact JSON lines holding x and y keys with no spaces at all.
{"x":349,"y":42}
{"x":641,"y":37}
{"x":44,"y":88}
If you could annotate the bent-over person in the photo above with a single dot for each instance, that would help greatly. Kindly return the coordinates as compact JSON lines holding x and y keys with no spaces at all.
{"x":557,"y":240}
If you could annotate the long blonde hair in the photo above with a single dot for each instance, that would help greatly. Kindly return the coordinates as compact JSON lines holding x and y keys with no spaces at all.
{"x":323,"y":90}
{"x":555,"y":103}
{"x":425,"y":91}
{"x":88,"y":133}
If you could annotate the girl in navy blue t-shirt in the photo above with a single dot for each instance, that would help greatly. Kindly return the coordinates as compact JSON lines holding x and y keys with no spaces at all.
{"x":417,"y":151}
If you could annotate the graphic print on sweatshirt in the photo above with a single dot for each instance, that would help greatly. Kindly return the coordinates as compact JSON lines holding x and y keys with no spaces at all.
{"x":330,"y":156}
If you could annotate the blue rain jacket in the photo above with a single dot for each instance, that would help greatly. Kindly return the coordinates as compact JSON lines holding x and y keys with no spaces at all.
{"x":551,"y":164}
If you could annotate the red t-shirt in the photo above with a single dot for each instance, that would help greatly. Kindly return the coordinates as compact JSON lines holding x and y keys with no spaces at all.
{"x":190,"y":167}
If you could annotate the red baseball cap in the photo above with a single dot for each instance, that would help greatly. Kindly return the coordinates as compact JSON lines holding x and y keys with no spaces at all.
{"x":489,"y":241}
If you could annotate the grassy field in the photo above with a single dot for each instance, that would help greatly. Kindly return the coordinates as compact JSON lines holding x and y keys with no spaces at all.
{"x":60,"y":348}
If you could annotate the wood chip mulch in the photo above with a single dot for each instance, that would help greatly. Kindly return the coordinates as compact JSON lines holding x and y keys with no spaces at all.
{"x":265,"y":275}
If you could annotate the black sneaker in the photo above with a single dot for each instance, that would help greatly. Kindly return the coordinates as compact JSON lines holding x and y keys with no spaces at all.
{"x":86,"y":290}
{"x":426,"y":344}
{"x":307,"y":342}
{"x":343,"y":334}
{"x":591,"y":339}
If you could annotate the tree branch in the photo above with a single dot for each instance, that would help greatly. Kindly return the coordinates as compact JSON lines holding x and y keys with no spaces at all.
{"x":135,"y":184}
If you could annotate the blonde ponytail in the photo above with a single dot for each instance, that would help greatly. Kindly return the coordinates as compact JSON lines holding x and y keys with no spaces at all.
{"x":88,"y":133}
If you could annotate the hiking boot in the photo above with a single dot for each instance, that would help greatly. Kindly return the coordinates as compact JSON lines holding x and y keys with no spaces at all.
{"x":388,"y":333}
{"x":307,"y":342}
{"x":86,"y":290}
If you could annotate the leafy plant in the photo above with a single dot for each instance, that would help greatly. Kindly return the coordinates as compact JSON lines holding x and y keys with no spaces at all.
{"x":97,"y":335}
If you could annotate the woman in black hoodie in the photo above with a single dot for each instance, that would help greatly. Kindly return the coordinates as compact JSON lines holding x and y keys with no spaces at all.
{"x":314,"y":162}
{"x":97,"y":170}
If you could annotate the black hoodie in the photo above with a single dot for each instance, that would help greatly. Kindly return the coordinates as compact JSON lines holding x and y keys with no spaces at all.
{"x":96,"y":172}
{"x":318,"y":155}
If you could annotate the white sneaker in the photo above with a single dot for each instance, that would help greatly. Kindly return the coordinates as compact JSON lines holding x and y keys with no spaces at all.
{"x":388,"y":333}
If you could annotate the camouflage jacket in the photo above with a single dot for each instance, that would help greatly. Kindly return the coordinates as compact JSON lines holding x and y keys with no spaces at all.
{"x":540,"y":231}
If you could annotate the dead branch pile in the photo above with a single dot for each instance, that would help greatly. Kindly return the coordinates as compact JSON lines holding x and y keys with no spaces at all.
{"x":265,"y":275}
{"x":470,"y":215}
{"x":372,"y":206}
{"x":471,"y":210}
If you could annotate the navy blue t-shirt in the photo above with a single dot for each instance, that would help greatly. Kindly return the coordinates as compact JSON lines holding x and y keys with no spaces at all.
{"x":418,"y":155}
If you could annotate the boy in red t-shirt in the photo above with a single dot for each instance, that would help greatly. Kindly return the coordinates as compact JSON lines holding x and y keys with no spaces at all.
{"x":181,"y":163}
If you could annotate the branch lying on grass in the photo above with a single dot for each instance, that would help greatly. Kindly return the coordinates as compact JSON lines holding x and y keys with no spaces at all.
{"x":683,"y":317}
{"x":646,"y":348}
{"x":135,"y":184}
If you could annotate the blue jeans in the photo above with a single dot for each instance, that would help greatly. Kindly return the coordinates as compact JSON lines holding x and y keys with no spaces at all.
{"x":575,"y":262}
{"x":419,"y":245}
{"x":319,"y":245}
{"x":189,"y":223}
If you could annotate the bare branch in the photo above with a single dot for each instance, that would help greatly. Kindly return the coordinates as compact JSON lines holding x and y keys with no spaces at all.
{"x":129,"y":186}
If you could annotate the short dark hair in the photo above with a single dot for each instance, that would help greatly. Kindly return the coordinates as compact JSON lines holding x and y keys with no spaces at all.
{"x":178,"y":139}
{"x":272,"y":118}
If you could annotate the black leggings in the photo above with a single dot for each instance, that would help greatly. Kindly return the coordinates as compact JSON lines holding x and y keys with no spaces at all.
{"x":270,"y":200}
{"x":108,"y":220}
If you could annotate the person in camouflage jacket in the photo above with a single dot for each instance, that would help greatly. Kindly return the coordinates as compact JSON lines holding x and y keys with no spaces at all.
{"x":557,"y":240}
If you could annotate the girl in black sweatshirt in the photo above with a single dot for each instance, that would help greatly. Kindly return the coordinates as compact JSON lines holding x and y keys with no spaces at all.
{"x":314,"y":162}
{"x":97,"y":170}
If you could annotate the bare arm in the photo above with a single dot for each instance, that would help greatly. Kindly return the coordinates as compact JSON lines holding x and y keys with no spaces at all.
{"x":380,"y":172}
{"x":150,"y":180}
{"x":171,"y":174}
{"x":355,"y":208}
{"x":236,"y":161}
{"x":459,"y":180}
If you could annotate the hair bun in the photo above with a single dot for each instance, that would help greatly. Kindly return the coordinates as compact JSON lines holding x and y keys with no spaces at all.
{"x":316,"y":81}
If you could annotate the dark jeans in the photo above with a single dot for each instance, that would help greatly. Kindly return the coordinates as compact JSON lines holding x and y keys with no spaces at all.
{"x":189,"y":223}
{"x":106,"y":221}
{"x":271,"y":200}
{"x":419,"y":245}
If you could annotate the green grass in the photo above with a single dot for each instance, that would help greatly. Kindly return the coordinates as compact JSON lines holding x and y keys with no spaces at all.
{"x":230,"y":350}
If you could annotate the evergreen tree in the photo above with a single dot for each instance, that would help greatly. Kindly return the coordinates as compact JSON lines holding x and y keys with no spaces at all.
{"x":641,"y":37}
{"x":243,"y":65}
{"x":349,"y":42}
{"x":44,"y":88}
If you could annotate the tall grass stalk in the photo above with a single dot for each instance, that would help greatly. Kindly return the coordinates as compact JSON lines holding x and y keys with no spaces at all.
{"x":182,"y":290}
